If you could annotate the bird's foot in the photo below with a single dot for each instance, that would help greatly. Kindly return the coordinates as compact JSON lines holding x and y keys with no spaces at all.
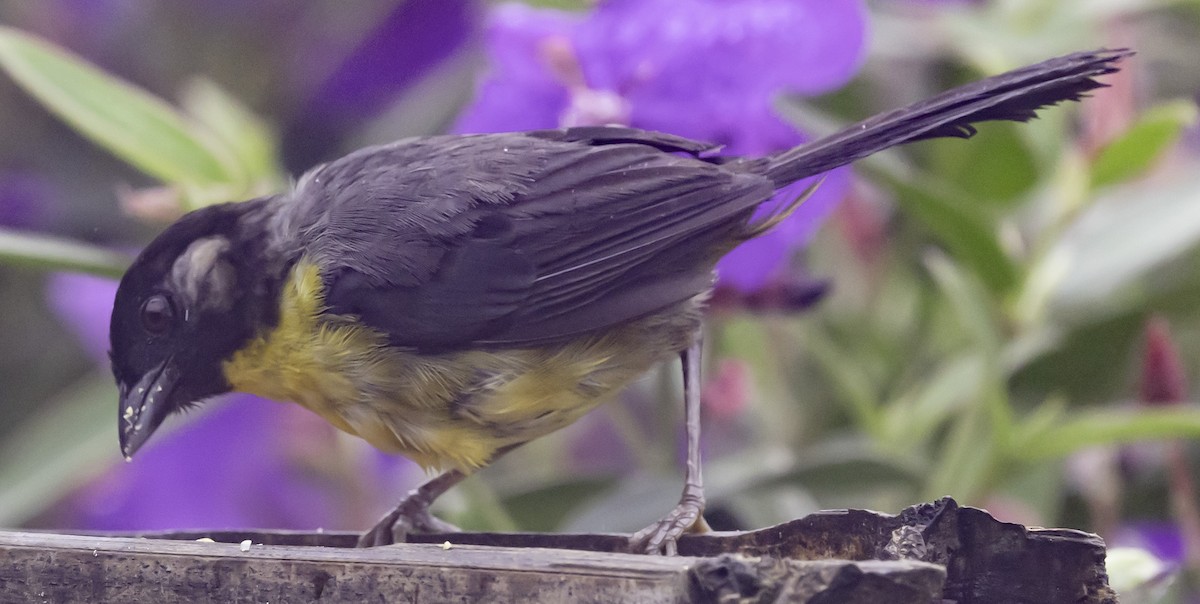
{"x":661,"y":537}
{"x":411,"y":517}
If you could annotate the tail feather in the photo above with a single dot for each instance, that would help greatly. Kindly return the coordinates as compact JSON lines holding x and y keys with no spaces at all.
{"x":1012,"y":96}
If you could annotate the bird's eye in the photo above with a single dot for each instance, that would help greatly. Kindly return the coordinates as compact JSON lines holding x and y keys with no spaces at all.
{"x":157,"y":314}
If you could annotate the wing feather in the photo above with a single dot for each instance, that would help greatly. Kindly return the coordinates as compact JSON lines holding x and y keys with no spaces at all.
{"x":446,"y":243}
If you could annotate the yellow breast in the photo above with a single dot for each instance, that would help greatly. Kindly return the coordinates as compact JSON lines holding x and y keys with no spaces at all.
{"x":451,"y":410}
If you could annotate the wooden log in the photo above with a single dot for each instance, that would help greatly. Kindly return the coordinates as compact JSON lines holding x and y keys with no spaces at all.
{"x":41,"y":567}
{"x":937,"y":552}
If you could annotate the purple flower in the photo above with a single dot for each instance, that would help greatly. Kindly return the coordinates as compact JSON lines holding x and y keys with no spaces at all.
{"x":245,"y":462}
{"x":705,"y":69}
{"x":24,"y":199}
{"x":94,"y":28}
{"x":252,"y":462}
{"x":84,"y":303}
{"x":1163,"y":539}
{"x":939,"y":3}
{"x":410,"y":42}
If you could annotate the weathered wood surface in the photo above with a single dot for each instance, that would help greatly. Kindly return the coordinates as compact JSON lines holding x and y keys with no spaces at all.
{"x":935,"y":552}
{"x":68,"y":568}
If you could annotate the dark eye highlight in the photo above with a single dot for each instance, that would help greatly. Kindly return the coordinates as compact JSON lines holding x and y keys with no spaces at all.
{"x":158,"y":316}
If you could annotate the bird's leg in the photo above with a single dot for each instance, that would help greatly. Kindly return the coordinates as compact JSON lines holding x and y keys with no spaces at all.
{"x":412,"y":514}
{"x":661,"y":536}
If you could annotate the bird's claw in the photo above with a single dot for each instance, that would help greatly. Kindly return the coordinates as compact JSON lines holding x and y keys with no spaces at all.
{"x":411,"y":517}
{"x":662,"y":536}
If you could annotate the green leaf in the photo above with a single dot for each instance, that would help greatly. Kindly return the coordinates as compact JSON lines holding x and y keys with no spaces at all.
{"x":996,"y":166}
{"x":483,"y":510}
{"x":1138,"y":149}
{"x":129,"y":122}
{"x":842,"y":371}
{"x":545,"y":508}
{"x":966,"y":463}
{"x":635,"y":502}
{"x":843,"y":465}
{"x":972,"y":306}
{"x":1077,"y":362}
{"x":1114,"y":244}
{"x":246,"y":140}
{"x":50,"y":253}
{"x":638,"y":499}
{"x":70,"y":440}
{"x":1140,"y":576}
{"x":1091,"y":428}
{"x":966,"y":233}
{"x":919,"y":412}
{"x":1040,"y":421}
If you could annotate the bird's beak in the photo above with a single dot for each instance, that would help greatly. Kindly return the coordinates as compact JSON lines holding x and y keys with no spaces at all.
{"x":145,"y":406}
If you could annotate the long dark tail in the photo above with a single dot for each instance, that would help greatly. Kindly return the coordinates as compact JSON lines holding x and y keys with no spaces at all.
{"x":1014,"y":96}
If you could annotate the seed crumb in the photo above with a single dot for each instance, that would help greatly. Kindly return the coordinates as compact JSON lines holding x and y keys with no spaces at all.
{"x":245,"y":546}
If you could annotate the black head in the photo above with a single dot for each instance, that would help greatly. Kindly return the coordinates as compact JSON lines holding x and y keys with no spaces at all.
{"x":195,"y":295}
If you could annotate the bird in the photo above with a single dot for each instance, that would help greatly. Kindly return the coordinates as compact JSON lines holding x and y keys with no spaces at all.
{"x":451,"y":297}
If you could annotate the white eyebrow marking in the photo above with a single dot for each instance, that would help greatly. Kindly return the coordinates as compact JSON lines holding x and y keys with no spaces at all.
{"x":202,"y":277}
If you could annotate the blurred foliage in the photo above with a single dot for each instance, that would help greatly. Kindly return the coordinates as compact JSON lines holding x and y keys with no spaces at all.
{"x":985,"y":323}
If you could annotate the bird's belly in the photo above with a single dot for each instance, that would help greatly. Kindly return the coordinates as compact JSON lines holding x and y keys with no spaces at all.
{"x":456,"y":409}
{"x":504,"y":399}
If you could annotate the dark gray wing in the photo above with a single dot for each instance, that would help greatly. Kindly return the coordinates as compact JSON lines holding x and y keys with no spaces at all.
{"x":518,"y":239}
